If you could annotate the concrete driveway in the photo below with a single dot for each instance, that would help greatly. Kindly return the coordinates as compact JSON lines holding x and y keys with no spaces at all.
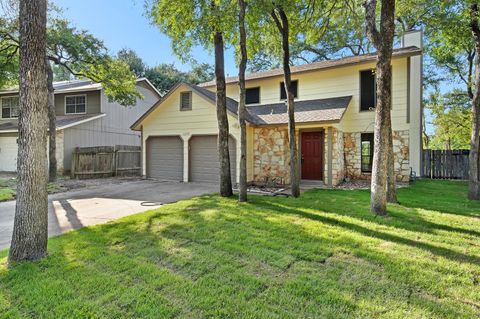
{"x":103,"y":203}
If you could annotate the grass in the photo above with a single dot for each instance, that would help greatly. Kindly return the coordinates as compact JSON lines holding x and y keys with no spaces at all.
{"x":8,"y":188}
{"x":321,"y":256}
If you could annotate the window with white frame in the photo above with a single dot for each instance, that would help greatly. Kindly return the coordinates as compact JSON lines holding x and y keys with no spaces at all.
{"x":75,"y":104}
{"x":9,"y":107}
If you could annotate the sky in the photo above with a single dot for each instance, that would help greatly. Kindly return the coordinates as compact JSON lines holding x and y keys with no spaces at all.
{"x":122,"y":24}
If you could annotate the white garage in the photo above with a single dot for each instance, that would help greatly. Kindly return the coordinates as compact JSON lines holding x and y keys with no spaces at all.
{"x":8,"y":153}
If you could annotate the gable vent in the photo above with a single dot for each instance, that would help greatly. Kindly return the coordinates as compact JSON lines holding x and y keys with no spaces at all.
{"x":185,"y":101}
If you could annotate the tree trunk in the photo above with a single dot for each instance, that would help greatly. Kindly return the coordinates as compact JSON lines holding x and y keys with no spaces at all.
{"x":282,"y":25}
{"x":242,"y":194}
{"x":383,"y":41}
{"x":391,"y":178}
{"x":52,"y":141}
{"x":223,"y":152}
{"x":30,"y":229}
{"x":474,"y":173}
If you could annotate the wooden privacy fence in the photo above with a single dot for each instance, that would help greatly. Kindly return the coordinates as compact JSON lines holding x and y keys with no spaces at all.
{"x":445,"y":164}
{"x":105,"y":161}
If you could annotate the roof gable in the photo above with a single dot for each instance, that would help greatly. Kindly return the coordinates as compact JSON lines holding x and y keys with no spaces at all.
{"x":209,"y":96}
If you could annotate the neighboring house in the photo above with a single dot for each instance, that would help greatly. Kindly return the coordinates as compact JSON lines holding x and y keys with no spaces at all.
{"x":85,"y":117}
{"x":334,"y":113}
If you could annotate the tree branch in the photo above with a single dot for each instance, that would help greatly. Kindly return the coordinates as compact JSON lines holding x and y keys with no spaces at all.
{"x":371,"y":26}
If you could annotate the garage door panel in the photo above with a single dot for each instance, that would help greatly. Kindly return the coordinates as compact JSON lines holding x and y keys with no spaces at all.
{"x":204,"y":161}
{"x":165,"y":158}
{"x":8,"y":153}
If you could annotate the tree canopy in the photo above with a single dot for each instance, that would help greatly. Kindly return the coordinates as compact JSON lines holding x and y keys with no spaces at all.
{"x":165,"y":75}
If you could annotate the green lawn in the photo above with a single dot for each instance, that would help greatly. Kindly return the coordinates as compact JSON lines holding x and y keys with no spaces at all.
{"x":321,"y":256}
{"x":8,"y":188}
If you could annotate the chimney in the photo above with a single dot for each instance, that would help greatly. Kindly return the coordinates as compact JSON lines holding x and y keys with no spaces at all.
{"x":414,"y":99}
{"x":412,"y":38}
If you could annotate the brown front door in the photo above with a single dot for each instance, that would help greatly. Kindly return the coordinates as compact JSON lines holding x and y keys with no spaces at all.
{"x":312,"y":155}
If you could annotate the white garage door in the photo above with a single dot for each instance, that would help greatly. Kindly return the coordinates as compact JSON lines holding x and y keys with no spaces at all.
{"x":8,"y":153}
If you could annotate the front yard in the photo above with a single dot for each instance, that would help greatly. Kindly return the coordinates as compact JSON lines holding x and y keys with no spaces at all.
{"x":321,"y":256}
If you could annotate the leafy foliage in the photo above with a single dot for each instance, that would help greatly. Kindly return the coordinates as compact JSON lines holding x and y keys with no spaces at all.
{"x":452,"y":115}
{"x":73,"y":51}
{"x":165,"y":75}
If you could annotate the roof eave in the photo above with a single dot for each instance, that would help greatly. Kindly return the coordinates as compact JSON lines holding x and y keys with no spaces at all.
{"x":367,"y":60}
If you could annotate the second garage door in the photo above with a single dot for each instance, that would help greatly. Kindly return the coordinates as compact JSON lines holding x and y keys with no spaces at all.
{"x":204,"y":163}
{"x":165,"y":158}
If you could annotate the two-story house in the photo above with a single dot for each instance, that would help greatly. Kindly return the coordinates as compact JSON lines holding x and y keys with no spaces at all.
{"x":85,"y":117}
{"x":334,"y":114}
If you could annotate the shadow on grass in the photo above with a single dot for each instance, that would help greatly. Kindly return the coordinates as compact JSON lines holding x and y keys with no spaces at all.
{"x":213,"y":257}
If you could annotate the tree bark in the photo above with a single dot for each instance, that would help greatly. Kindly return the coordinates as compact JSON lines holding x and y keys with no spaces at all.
{"x":30,"y":230}
{"x":52,"y":132}
{"x":383,"y":41}
{"x":474,"y":173}
{"x":221,"y":103}
{"x":281,"y":22}
{"x":242,"y":194}
{"x":391,"y":178}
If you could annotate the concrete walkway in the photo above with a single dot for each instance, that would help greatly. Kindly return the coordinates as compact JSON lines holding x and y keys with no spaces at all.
{"x":103,"y":203}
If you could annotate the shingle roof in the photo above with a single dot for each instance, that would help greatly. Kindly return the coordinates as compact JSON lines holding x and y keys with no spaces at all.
{"x":63,"y":121}
{"x":401,"y":52}
{"x":76,"y":86}
{"x":320,"y":110}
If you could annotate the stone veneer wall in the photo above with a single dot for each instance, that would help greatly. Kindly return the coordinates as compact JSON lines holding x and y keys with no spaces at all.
{"x":353,"y":160}
{"x":271,"y":159}
{"x":338,"y":164}
{"x":271,"y":162}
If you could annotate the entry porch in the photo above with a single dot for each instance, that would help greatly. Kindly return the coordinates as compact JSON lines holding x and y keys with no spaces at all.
{"x":320,"y":152}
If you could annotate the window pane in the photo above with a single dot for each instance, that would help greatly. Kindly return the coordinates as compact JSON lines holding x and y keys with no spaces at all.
{"x":70,"y":100}
{"x":367,"y":90}
{"x":283,"y":94}
{"x":366,"y":152}
{"x":252,"y":96}
{"x":80,"y":108}
{"x":70,"y":109}
{"x":80,"y":99}
{"x":5,"y":112}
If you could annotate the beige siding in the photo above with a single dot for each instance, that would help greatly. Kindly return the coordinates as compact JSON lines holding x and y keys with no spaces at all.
{"x":93,"y":102}
{"x":338,"y":82}
{"x":168,"y":120}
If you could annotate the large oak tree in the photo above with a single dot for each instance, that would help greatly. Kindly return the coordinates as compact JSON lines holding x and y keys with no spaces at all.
{"x":383,"y":41}
{"x":30,"y":230}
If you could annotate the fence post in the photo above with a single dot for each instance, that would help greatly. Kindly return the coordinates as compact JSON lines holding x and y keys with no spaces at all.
{"x":72,"y":168}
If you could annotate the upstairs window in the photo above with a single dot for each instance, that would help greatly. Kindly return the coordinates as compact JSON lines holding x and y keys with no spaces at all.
{"x":367,"y":152}
{"x":368,"y":98}
{"x":283,"y":94}
{"x":76,"y":104}
{"x":9,"y":107}
{"x":185,"y":101}
{"x":252,"y":96}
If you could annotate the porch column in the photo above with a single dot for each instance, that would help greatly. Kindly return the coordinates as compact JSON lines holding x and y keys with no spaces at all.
{"x":186,"y":138}
{"x":329,"y":157}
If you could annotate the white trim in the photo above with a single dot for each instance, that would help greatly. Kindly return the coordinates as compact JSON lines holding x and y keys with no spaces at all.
{"x":1,"y":106}
{"x":65,"y":126}
{"x":65,"y":104}
{"x":150,"y":84}
{"x":81,"y":122}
